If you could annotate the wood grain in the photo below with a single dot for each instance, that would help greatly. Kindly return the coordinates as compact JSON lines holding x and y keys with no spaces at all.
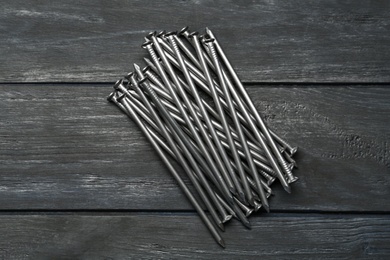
{"x":64,"y":147}
{"x":182,"y":236}
{"x":267,"y":41}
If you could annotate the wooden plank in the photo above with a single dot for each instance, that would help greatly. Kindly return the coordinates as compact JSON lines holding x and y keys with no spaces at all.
{"x":178,"y":236}
{"x":267,"y":41}
{"x":64,"y":147}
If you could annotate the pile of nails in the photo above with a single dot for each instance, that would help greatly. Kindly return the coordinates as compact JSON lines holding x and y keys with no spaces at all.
{"x":192,"y":107}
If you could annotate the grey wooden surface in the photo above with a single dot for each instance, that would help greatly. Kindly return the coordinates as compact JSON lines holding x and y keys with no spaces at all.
{"x":74,"y":150}
{"x":267,"y":41}
{"x":164,"y":236}
{"x":79,"y":181}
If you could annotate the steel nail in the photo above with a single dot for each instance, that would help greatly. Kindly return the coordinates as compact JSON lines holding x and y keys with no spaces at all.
{"x":260,"y":138}
{"x":180,"y":157}
{"x":202,"y":82}
{"x":222,"y":115}
{"x":195,"y":167}
{"x":219,"y":107}
{"x":260,"y":121}
{"x":225,"y":165}
{"x":187,"y":35}
{"x":258,"y":159}
{"x":174,"y":173}
{"x":221,"y":176}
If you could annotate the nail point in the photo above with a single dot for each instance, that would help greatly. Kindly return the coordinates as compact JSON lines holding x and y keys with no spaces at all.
{"x":221,"y":242}
{"x":266,"y":207}
{"x":247,"y":224}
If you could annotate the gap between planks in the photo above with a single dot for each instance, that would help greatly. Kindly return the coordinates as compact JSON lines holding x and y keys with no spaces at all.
{"x":130,"y":212}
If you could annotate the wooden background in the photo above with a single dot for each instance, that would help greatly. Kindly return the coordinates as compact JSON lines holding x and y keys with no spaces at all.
{"x":79,"y":181}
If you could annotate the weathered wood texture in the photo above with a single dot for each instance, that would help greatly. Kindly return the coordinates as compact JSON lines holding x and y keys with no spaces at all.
{"x":66,"y":147}
{"x":178,"y":236}
{"x":267,"y":41}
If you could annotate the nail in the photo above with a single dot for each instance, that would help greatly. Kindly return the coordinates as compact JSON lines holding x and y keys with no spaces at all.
{"x":225,"y":165}
{"x":202,"y":82}
{"x":163,"y":57}
{"x":183,"y":46}
{"x":225,"y":217}
{"x":174,"y":173}
{"x":222,"y":115}
{"x":187,"y":51}
{"x":254,"y":149}
{"x":215,"y":60}
{"x":259,"y":185}
{"x":144,"y":113}
{"x":180,"y":157}
{"x":194,"y":149}
{"x":194,"y":164}
{"x":254,"y":112}
{"x":269,"y":178}
{"x":176,"y":114}
{"x":221,"y":176}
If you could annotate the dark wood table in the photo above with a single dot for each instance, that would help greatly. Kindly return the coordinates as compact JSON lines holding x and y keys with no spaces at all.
{"x":78,"y":180}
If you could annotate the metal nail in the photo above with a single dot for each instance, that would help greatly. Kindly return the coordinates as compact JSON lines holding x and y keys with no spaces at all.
{"x":221,"y":176}
{"x":212,"y":172}
{"x":200,"y":79}
{"x":258,"y":159}
{"x":195,"y":167}
{"x":225,"y":165}
{"x":180,"y":157}
{"x":174,"y":173}
{"x":260,"y":121}
{"x":216,"y":100}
